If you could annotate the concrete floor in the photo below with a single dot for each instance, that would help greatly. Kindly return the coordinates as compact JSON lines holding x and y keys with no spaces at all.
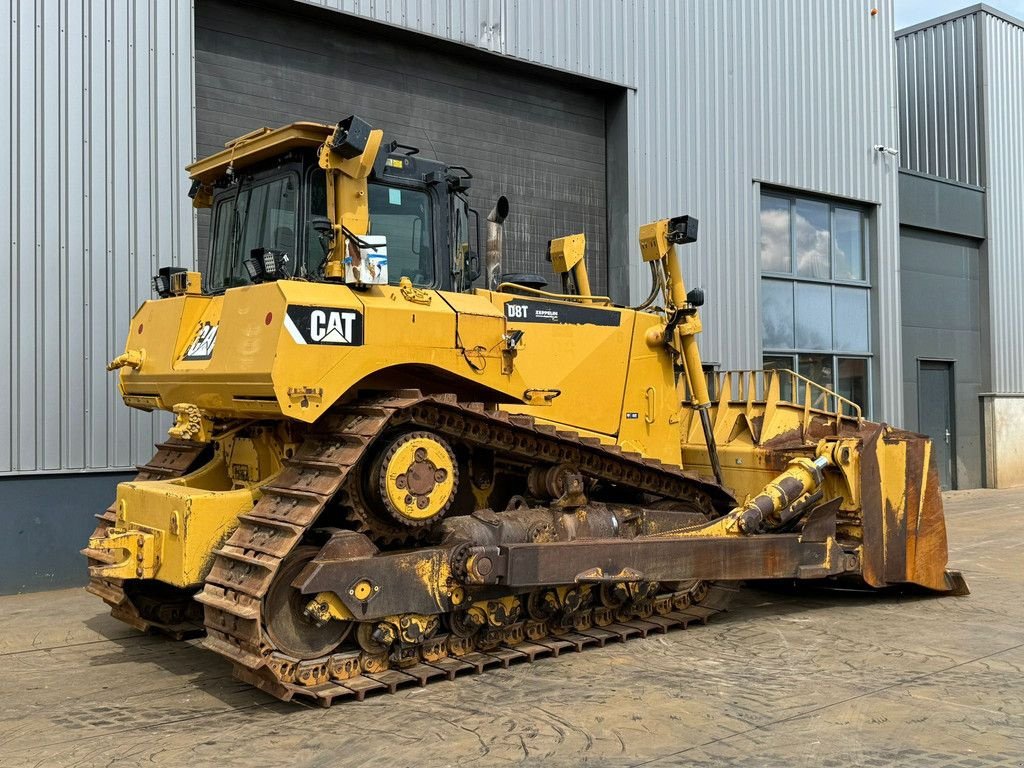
{"x":825,"y":680}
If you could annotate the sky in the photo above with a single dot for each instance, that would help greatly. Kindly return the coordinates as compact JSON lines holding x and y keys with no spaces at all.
{"x":910,"y":12}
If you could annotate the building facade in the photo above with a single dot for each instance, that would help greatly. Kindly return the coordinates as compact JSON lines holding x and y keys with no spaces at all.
{"x":960,"y":84}
{"x":763,"y":120}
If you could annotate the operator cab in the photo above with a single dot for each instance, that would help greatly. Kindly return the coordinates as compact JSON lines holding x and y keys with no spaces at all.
{"x":278,"y":202}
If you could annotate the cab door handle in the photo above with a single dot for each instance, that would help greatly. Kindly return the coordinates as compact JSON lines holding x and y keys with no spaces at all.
{"x":651,"y":395}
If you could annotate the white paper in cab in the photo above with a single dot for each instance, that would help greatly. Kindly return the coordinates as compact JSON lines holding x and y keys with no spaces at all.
{"x":367,"y":265}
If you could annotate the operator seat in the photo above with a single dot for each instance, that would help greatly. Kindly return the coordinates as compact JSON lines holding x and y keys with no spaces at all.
{"x":284,"y":239}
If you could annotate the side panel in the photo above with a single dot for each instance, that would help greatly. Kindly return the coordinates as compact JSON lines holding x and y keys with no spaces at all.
{"x":295,"y":348}
{"x":581,"y":352}
{"x":650,"y":415}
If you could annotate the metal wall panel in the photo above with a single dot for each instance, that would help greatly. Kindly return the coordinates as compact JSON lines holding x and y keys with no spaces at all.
{"x":590,"y":37}
{"x":792,"y":93}
{"x":99,"y":98}
{"x":938,"y":84}
{"x":1003,"y":55}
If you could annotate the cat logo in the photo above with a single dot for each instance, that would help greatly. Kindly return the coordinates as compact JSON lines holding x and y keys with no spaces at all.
{"x":324,"y":325}
{"x":201,"y":347}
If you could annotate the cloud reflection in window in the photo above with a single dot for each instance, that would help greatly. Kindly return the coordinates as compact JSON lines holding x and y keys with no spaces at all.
{"x":813,"y":241}
{"x":775,"y":251}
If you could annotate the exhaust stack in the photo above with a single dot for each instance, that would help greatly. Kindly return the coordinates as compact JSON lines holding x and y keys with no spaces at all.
{"x":495,"y":231}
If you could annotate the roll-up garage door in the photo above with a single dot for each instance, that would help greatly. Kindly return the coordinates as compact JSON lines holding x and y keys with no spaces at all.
{"x":534,"y":136}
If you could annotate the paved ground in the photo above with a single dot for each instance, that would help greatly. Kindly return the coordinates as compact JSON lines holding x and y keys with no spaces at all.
{"x":825,"y":680}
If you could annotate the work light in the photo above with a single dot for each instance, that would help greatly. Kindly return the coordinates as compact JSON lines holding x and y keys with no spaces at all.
{"x":265,"y":264}
{"x":162,"y":280}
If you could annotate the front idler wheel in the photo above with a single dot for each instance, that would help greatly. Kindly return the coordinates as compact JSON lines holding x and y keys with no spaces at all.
{"x":287,"y":623}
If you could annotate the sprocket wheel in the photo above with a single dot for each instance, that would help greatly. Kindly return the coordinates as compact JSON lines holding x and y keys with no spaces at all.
{"x":415,"y":478}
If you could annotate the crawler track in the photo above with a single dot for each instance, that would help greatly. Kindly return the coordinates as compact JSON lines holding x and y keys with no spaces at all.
{"x":245,"y":567}
{"x":346,"y":681}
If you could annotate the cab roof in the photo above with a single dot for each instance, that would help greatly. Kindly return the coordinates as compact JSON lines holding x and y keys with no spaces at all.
{"x":258,"y":145}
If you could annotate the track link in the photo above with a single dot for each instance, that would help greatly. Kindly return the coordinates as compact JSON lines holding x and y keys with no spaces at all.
{"x":245,"y":567}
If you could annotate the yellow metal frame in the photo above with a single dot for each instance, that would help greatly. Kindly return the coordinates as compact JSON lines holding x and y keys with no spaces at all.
{"x":259,"y":145}
{"x":567,"y":255}
{"x":348,"y":204}
{"x":168,"y":529}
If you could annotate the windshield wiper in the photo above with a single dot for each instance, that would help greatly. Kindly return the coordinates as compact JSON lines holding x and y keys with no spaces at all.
{"x":237,"y":224}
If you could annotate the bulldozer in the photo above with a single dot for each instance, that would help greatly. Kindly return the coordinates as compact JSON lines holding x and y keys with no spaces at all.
{"x":392,"y":462}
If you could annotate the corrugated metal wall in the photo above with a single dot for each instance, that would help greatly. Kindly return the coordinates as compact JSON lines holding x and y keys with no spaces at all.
{"x":939,"y":89}
{"x":792,"y":93}
{"x":727,"y":95}
{"x":589,"y":37}
{"x":99,"y":99}
{"x":961,"y":93}
{"x":1003,"y":53}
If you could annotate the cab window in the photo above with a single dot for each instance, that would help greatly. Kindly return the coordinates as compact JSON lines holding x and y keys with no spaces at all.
{"x":403,"y":217}
{"x":316,"y":206}
{"x":460,"y":244}
{"x":259,"y":214}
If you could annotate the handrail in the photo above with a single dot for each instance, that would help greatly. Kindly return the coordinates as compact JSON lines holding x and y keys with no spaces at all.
{"x":750,"y":385}
{"x":567,"y":297}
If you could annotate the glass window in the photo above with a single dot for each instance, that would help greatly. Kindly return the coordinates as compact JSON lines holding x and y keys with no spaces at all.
{"x":777,"y":313}
{"x":850,"y":319}
{"x":812,"y":239}
{"x":403,"y":216}
{"x":852,"y":379}
{"x":813,"y":310}
{"x":711,"y":380}
{"x":812,"y":318}
{"x":460,"y":242}
{"x":817,"y":368}
{"x":257,"y":215}
{"x":775,"y":234}
{"x":317,"y":246}
{"x":848,"y":228}
{"x":778,"y":362}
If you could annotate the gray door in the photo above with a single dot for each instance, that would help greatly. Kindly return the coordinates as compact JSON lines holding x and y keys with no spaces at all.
{"x":939,"y":268}
{"x":534,"y":136}
{"x":935,"y":415}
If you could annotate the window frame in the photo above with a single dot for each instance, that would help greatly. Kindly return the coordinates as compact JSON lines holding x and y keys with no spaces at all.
{"x":792,"y":278}
{"x":794,"y":358}
{"x":254,"y":180}
{"x":791,"y":198}
{"x":307,"y":202}
{"x":429,"y":226}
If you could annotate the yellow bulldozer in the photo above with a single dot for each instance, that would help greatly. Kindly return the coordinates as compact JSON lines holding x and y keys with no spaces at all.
{"x":392,"y":462}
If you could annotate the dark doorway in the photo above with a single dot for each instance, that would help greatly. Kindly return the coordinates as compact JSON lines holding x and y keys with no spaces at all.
{"x":936,"y":416}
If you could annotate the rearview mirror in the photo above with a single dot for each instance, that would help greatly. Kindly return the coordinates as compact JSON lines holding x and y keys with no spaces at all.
{"x":322,"y":225}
